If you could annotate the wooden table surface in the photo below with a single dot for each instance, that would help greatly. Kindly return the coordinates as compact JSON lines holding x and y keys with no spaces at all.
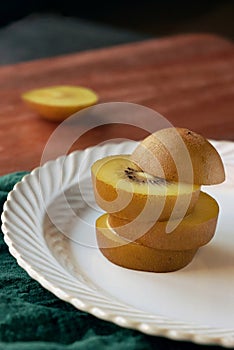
{"x":189,"y":79}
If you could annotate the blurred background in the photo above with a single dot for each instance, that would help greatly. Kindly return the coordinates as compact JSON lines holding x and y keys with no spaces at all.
{"x":31,"y":30}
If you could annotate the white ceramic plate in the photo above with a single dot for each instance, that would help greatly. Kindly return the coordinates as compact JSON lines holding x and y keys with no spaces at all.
{"x":195,"y":303}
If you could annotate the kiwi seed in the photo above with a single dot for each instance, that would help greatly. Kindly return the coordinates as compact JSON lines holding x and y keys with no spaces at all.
{"x":141,"y":177}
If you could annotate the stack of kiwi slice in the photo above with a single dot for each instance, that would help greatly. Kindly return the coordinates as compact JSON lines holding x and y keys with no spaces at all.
{"x":157,"y":217}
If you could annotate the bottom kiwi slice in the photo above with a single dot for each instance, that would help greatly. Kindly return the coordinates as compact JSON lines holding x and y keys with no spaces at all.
{"x":137,"y":256}
{"x":156,"y":250}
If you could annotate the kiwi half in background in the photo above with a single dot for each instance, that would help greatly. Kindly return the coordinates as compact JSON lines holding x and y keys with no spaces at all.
{"x":57,"y":103}
{"x":122,"y":189}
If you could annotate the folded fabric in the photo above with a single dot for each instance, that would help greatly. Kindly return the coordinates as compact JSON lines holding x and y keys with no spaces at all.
{"x":31,"y":318}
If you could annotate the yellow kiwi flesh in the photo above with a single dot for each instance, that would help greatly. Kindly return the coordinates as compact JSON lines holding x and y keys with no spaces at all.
{"x":122,"y":189}
{"x":56,"y":103}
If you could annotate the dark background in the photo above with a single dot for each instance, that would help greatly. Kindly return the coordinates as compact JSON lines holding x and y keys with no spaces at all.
{"x":35,"y":29}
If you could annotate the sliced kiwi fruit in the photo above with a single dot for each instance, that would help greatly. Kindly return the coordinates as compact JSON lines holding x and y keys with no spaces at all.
{"x":137,"y":256}
{"x":57,"y":103}
{"x":195,"y":230}
{"x":124,"y":190}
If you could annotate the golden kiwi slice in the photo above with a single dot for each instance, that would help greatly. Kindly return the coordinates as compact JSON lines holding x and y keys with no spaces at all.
{"x":124,"y":190}
{"x":56,"y":103}
{"x":195,"y":230}
{"x":137,"y":256}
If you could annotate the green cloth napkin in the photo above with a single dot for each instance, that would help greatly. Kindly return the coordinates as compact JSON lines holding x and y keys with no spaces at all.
{"x":31,"y":318}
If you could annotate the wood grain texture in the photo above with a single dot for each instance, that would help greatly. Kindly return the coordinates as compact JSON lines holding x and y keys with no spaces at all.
{"x":189,"y":79}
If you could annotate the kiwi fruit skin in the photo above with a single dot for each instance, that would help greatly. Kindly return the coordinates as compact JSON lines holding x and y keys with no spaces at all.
{"x":167,"y":144}
{"x":194,"y":231}
{"x":156,"y":207}
{"x":137,"y":256}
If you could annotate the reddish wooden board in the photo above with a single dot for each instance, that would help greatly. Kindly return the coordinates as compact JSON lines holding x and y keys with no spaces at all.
{"x":189,"y":79}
